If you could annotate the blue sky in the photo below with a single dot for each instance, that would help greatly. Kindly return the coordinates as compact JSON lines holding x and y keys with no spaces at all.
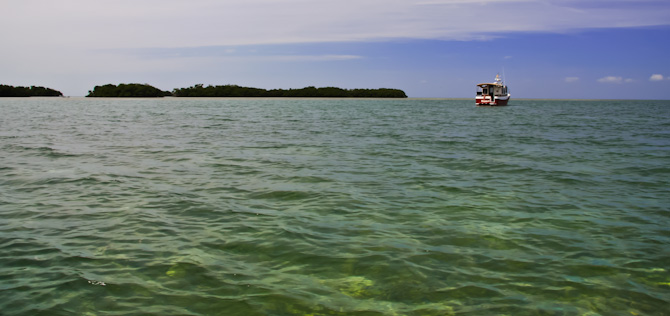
{"x":615,"y":49}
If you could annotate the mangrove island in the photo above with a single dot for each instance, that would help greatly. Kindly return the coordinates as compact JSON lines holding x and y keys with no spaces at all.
{"x":308,"y":92}
{"x":135,"y":90}
{"x":131,"y":90}
{"x":32,"y":91}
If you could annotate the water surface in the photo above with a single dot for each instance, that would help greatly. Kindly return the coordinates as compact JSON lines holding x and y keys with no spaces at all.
{"x":333,"y":207}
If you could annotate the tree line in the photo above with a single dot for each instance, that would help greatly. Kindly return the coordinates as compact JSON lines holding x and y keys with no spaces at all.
{"x":308,"y":92}
{"x":32,"y":91}
{"x":130,"y":90}
{"x":144,"y":90}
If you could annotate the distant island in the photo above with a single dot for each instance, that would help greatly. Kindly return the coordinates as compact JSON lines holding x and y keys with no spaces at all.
{"x":308,"y":92}
{"x":32,"y":91}
{"x":131,"y":90}
{"x":135,"y":90}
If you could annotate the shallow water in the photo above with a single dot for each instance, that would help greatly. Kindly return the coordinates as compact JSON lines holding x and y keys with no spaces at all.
{"x":333,"y":207}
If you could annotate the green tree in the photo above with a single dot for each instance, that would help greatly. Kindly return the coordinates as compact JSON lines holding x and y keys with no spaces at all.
{"x":32,"y":91}
{"x":131,"y":90}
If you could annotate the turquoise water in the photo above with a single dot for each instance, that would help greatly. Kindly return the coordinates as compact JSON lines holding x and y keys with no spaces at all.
{"x":334,"y":207}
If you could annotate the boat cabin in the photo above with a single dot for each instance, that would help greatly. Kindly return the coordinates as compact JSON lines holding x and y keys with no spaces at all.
{"x":491,"y":89}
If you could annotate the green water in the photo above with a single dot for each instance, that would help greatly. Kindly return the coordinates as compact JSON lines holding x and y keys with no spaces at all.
{"x":333,"y":207}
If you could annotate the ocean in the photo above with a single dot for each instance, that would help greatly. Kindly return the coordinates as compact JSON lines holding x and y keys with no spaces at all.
{"x":182,"y":206}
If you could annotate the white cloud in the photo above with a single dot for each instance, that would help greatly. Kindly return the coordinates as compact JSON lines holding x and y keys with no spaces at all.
{"x":611,"y":79}
{"x":656,"y":77}
{"x":615,"y":79}
{"x":571,"y":79}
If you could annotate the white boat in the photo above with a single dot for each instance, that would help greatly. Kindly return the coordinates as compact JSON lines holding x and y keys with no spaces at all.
{"x":492,"y":94}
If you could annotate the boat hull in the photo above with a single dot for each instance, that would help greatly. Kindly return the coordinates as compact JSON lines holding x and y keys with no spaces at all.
{"x":496,"y":101}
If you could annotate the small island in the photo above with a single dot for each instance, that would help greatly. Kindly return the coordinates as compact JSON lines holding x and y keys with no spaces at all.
{"x":308,"y":92}
{"x":131,"y":90}
{"x":32,"y":91}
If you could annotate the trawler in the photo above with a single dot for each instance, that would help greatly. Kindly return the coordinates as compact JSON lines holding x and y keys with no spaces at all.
{"x":492,"y":94}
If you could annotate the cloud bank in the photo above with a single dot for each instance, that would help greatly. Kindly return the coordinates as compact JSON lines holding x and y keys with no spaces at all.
{"x":178,"y":23}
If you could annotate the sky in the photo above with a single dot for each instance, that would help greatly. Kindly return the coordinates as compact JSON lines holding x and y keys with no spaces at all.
{"x":575,"y":49}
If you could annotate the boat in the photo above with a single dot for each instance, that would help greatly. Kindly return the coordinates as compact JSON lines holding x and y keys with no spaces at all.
{"x":492,"y":94}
